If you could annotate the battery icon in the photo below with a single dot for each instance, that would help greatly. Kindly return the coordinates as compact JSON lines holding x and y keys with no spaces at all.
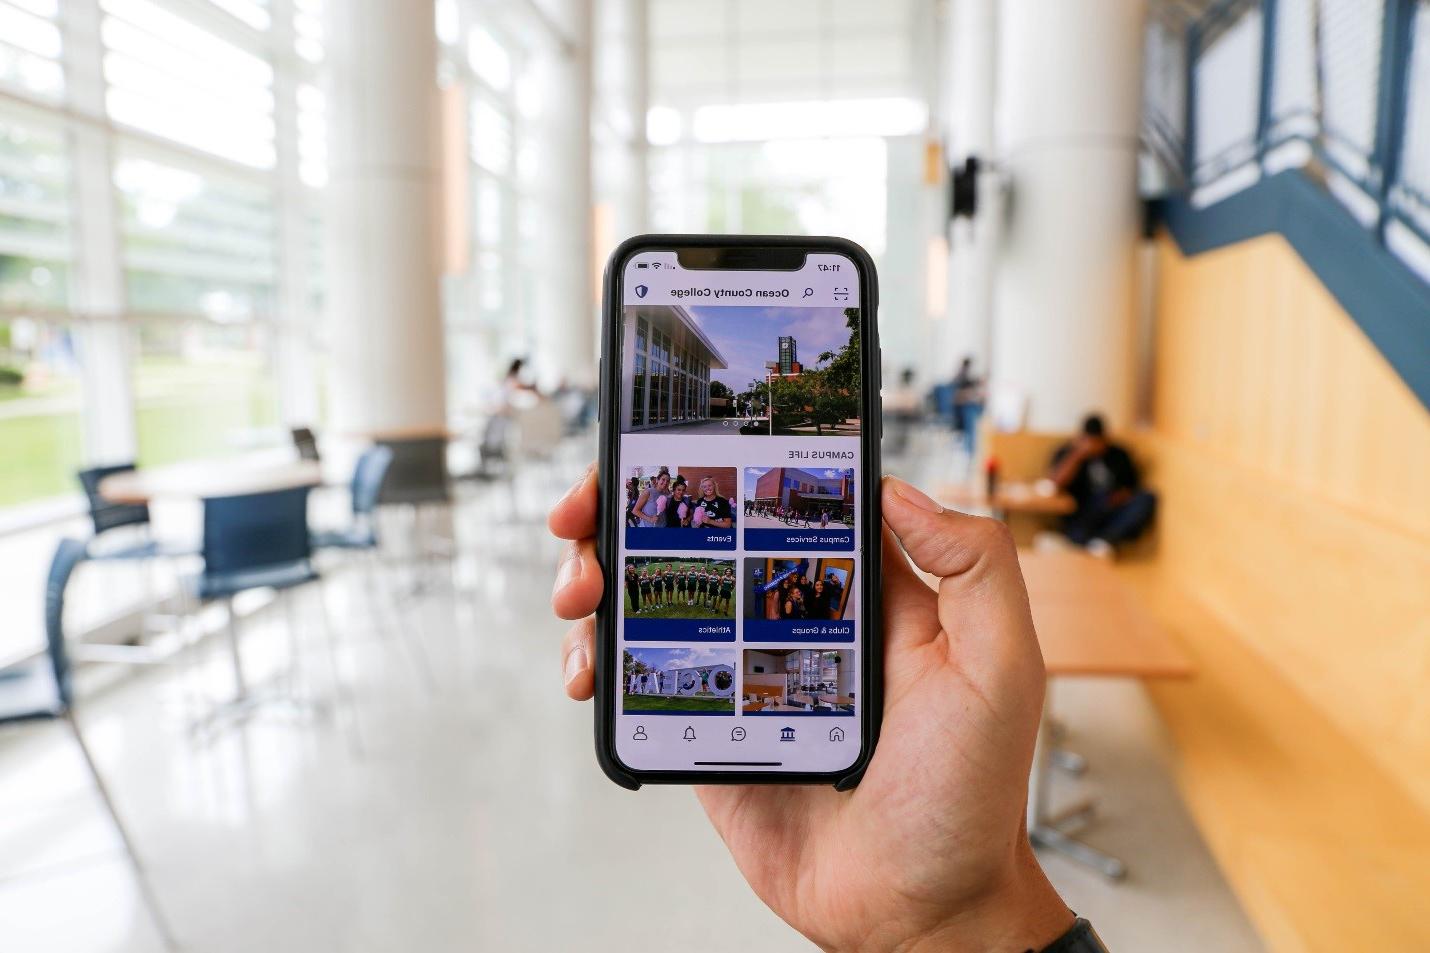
{"x":641,"y":264}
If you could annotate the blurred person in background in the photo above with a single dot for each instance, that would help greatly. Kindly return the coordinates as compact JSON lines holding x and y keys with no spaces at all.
{"x":1112,"y":506}
{"x":901,"y":410}
{"x":967,"y":404}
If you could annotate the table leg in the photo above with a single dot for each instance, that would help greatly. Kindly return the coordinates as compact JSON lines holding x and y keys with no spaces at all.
{"x":1045,"y":829}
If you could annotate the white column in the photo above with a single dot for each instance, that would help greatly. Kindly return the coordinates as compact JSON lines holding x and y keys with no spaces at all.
{"x":383,"y":217}
{"x":973,"y":42}
{"x":1069,"y":104}
{"x":565,"y":299}
{"x":298,"y":400}
{"x":639,"y":49}
{"x":97,"y":285}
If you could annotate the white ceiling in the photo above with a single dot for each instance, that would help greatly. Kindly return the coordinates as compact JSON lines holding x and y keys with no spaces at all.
{"x":748,"y":51}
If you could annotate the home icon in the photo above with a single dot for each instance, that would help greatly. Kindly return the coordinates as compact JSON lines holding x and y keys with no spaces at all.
{"x":836,"y":734}
{"x":786,"y":734}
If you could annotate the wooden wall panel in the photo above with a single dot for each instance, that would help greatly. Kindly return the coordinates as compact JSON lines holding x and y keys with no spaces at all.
{"x":1293,"y":467}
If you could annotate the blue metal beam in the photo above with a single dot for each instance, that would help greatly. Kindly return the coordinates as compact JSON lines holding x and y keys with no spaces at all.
{"x":1381,"y":294}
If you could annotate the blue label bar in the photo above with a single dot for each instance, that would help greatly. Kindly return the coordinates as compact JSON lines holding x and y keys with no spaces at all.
{"x":796,"y":540}
{"x":796,"y":630}
{"x":680,"y":630}
{"x":678,"y":538}
{"x":663,"y":712}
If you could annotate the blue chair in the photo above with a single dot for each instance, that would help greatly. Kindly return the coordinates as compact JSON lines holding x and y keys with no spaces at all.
{"x":106,"y":515}
{"x":254,"y":541}
{"x":42,"y":689}
{"x":369,"y":474}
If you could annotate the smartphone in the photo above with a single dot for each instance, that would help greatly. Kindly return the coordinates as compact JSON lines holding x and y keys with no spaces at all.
{"x":738,"y":637}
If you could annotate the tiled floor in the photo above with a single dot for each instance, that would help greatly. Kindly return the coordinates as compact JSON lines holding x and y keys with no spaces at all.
{"x":450,"y":799}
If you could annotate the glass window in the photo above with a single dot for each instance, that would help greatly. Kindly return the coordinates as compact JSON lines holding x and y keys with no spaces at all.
{"x":34,"y":212}
{"x":488,"y":59}
{"x":30,"y":47}
{"x":642,"y":334}
{"x":491,"y":140}
{"x":203,"y":389}
{"x":638,"y":393}
{"x":40,"y":403}
{"x":172,"y":77}
{"x":194,"y":242}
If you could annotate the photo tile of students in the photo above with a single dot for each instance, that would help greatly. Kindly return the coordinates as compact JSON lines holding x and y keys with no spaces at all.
{"x":791,"y":509}
{"x":696,"y":680}
{"x":739,"y":371}
{"x":680,"y":508}
{"x":799,"y":681}
{"x":679,"y":599}
{"x":799,"y":599}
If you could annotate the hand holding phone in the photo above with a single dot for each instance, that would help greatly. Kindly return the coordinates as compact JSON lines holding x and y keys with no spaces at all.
{"x":737,"y":367}
{"x":929,"y":851}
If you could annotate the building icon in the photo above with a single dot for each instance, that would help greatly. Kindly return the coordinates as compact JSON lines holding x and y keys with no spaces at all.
{"x":786,"y":734}
{"x":836,"y":734}
{"x":666,"y":362}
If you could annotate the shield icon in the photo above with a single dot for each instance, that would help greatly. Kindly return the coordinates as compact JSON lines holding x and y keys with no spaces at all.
{"x":641,"y":290}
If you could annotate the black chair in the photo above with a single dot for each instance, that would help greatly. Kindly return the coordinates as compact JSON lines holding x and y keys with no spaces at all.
{"x":254,"y":541}
{"x":42,"y":689}
{"x":307,"y":444}
{"x":418,"y":472}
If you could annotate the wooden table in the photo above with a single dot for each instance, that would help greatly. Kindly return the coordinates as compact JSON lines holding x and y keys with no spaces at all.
{"x":203,"y":479}
{"x":1011,"y":496}
{"x":1089,"y":622}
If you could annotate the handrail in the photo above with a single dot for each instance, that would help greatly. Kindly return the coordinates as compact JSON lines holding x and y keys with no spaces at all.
{"x":1324,"y":162}
{"x":1400,"y":202}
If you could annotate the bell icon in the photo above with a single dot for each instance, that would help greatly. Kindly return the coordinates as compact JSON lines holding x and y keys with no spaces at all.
{"x":689,"y":733}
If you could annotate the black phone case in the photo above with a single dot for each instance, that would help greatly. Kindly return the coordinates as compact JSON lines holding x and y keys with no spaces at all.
{"x":607,"y":540}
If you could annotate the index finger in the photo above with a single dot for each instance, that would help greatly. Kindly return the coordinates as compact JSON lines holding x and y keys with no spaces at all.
{"x":574,"y":515}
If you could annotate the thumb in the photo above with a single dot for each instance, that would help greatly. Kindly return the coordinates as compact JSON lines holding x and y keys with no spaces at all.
{"x":982,"y":602}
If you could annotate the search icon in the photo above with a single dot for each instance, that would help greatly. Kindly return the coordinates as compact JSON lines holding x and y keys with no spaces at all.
{"x":808,"y":292}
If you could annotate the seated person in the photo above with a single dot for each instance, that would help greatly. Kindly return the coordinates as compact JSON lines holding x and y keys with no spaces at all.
{"x":1112,"y":506}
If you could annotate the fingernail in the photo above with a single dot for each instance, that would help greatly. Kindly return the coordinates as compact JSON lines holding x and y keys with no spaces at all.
{"x":568,"y":572}
{"x":575,"y":664}
{"x":913,"y":495}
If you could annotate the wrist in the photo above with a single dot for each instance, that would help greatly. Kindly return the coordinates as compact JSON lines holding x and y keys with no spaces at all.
{"x":1020,"y":912}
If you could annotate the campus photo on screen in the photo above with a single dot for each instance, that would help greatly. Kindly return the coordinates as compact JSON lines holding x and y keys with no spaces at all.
{"x":799,"y":681}
{"x":695,"y":680}
{"x":808,"y":508}
{"x":773,"y":371}
{"x":680,"y":507}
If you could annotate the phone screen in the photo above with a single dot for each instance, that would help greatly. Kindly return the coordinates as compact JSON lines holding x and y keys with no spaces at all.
{"x":738,"y":622}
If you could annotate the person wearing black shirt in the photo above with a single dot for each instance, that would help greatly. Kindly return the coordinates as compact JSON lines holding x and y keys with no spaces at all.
{"x":645,"y":588}
{"x":717,"y":508}
{"x":1112,"y":506}
{"x":633,"y":589}
{"x":677,"y":508}
{"x":818,"y":601}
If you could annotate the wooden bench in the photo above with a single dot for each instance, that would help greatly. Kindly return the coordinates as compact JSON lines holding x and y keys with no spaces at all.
{"x":1324,"y":850}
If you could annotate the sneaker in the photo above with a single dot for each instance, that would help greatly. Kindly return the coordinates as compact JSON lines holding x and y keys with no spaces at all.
{"x":1100,"y":548}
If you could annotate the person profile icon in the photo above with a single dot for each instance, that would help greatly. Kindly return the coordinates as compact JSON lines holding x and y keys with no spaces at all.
{"x":689,"y":733}
{"x":640,"y":734}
